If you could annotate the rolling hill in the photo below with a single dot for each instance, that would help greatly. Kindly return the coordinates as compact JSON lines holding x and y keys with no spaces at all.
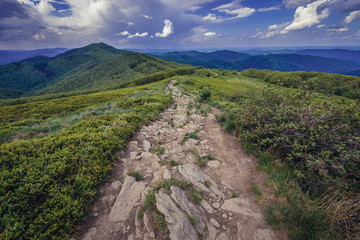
{"x":280,"y":62}
{"x":95,"y":66}
{"x":9,"y":56}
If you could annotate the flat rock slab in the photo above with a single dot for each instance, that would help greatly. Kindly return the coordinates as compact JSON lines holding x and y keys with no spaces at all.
{"x":177,"y":221}
{"x":181,"y":199}
{"x":125,"y":201}
{"x":146,"y":145}
{"x":198,"y":178}
{"x":241,"y":206}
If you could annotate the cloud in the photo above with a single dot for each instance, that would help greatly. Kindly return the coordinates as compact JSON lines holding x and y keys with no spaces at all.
{"x":352,"y":16}
{"x":296,"y":3}
{"x":277,"y":7}
{"x":209,"y":34}
{"x":126,"y":33}
{"x":10,"y":8}
{"x":167,"y":30}
{"x":337,"y":29}
{"x":273,"y":27}
{"x":350,"y":6}
{"x":357,"y":34}
{"x":320,"y":26}
{"x":234,"y":8}
{"x":307,"y":16}
{"x":146,"y":16}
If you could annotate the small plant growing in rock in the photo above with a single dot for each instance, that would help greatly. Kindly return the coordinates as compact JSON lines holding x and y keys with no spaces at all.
{"x":196,"y":196}
{"x":201,"y":162}
{"x":207,"y":183}
{"x":136,"y":175}
{"x":256,"y":190}
{"x":234,"y":195}
{"x":160,"y":221}
{"x":139,"y":153}
{"x":175,"y":106}
{"x":192,"y":220}
{"x":192,"y":135}
{"x":209,"y":157}
{"x":157,"y":151}
{"x":159,"y":142}
{"x":173,"y":163}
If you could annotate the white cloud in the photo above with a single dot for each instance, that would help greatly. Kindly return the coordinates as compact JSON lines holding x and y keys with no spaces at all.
{"x":320,"y":26}
{"x":234,"y":8}
{"x":126,"y":33}
{"x":209,"y":34}
{"x":144,"y":34}
{"x":273,"y":27}
{"x":146,"y":16}
{"x":167,"y":30}
{"x":296,"y":3}
{"x":357,"y":34}
{"x":212,"y":18}
{"x":352,"y":16}
{"x":269,"y":9}
{"x":307,"y":16}
{"x":337,"y":29}
{"x":240,"y":12}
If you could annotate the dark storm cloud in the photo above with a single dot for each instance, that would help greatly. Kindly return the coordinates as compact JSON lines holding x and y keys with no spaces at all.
{"x":351,"y":5}
{"x":11,"y":8}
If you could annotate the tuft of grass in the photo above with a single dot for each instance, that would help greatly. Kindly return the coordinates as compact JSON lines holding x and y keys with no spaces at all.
{"x":208,"y":183}
{"x":160,"y":221}
{"x":175,"y":106}
{"x":184,"y":124}
{"x":173,"y":163}
{"x":209,"y":157}
{"x":234,"y":195}
{"x":196,"y":196}
{"x":256,"y":190}
{"x":190,"y":105}
{"x":157,"y":151}
{"x":192,"y":220}
{"x":136,"y":175}
{"x":159,"y":142}
{"x":201,"y":162}
{"x":192,"y":135}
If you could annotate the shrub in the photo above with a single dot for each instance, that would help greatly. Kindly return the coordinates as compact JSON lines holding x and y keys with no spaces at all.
{"x":204,"y":94}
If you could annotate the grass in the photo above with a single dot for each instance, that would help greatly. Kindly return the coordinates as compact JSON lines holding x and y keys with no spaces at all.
{"x":209,"y":157}
{"x":192,"y":220}
{"x":234,"y":195}
{"x":171,"y":163}
{"x":158,"y":151}
{"x":184,"y":124}
{"x":175,"y":106}
{"x":136,"y":175}
{"x":192,"y":135}
{"x":201,"y":162}
{"x":160,"y":221}
{"x":256,"y":190}
{"x":208,"y":183}
{"x":196,"y":196}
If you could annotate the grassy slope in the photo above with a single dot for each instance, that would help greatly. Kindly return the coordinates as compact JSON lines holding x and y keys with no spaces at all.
{"x":96,"y":66}
{"x":306,"y":205}
{"x":51,"y":175}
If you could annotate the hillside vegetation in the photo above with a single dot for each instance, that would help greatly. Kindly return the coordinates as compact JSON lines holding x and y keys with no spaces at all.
{"x":92,"y":67}
{"x":308,"y":147}
{"x":60,"y":150}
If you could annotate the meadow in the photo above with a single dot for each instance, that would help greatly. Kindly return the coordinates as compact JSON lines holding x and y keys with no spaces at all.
{"x":55,"y":153}
{"x":306,"y":142}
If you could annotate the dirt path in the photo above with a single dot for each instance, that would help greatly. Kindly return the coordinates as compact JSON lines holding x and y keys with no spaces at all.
{"x":227,"y":209}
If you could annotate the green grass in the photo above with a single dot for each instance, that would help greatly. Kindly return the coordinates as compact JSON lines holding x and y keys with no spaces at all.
{"x":256,"y":190}
{"x":158,"y":151}
{"x":192,"y":220}
{"x":196,"y":196}
{"x":136,"y":175}
{"x":234,"y":195}
{"x":52,"y":176}
{"x":208,"y":183}
{"x":192,"y":135}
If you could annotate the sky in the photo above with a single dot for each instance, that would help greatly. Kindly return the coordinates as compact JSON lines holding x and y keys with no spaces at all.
{"x":178,"y":24}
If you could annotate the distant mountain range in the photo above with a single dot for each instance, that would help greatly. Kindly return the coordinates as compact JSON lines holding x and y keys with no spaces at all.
{"x":96,"y":66}
{"x":9,"y":56}
{"x":319,"y":60}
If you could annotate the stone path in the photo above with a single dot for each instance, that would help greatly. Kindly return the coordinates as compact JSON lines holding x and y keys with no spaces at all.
{"x":227,"y":209}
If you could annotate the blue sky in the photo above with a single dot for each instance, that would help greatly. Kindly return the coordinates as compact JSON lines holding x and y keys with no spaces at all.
{"x":179,"y":24}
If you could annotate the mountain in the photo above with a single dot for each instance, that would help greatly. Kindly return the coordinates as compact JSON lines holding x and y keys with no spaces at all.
{"x":281,"y":62}
{"x":351,"y":55}
{"x":217,"y":59}
{"x":94,"y":66}
{"x":9,"y":56}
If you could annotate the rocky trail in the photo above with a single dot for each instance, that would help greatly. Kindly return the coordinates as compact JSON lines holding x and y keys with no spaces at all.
{"x":182,"y":146}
